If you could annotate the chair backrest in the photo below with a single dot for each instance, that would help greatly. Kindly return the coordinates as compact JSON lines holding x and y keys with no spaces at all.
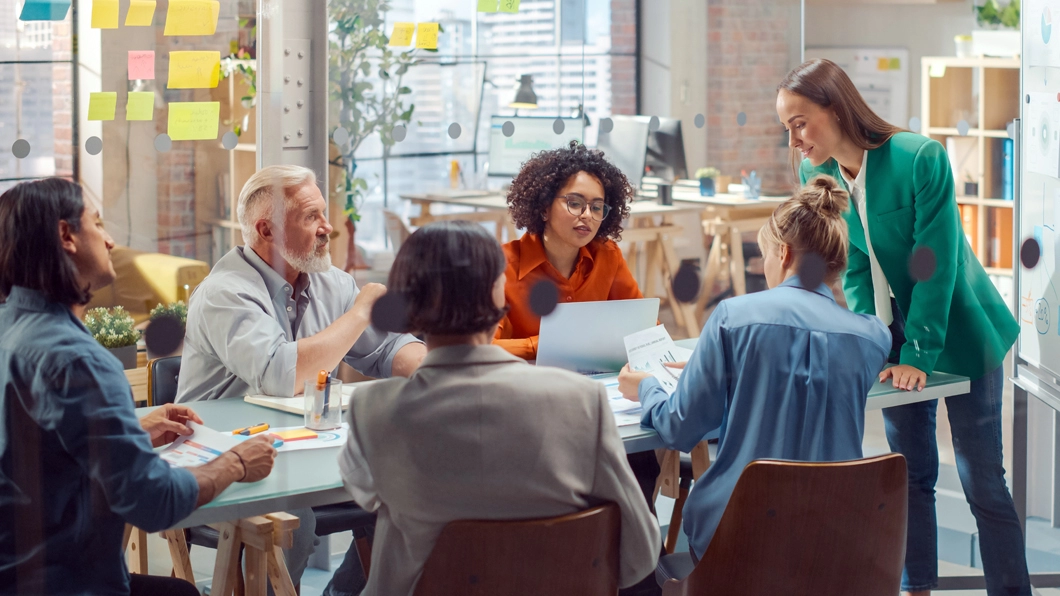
{"x":396,"y":229}
{"x":162,"y":380}
{"x":571,"y":554}
{"x":808,"y":528}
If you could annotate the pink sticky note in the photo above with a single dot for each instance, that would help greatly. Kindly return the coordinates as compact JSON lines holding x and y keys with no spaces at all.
{"x":141,"y":65}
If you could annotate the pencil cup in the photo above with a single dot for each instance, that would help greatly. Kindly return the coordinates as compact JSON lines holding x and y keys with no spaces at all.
{"x":323,"y":405}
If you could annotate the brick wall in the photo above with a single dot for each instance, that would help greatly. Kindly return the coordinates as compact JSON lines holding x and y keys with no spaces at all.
{"x":623,"y":56}
{"x":749,"y":54}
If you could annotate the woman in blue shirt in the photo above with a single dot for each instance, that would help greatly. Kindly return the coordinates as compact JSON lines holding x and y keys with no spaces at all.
{"x":784,"y":373}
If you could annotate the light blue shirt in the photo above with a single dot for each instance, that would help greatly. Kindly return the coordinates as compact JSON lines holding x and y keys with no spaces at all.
{"x":783,"y":374}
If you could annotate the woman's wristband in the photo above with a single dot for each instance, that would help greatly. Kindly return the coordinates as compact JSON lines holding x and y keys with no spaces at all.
{"x":242,"y":463}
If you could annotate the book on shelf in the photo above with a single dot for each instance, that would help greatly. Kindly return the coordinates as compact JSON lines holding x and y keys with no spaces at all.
{"x":1007,"y":147}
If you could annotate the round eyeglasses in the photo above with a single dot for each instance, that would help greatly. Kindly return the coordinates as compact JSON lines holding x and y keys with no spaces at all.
{"x":577,"y":204}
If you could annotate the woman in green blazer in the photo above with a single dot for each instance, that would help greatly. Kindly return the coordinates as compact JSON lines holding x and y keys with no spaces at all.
{"x":911,"y":265}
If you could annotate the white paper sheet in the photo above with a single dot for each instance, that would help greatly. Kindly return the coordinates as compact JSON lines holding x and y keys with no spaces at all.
{"x":202,"y":446}
{"x":626,"y":412}
{"x":648,"y":350}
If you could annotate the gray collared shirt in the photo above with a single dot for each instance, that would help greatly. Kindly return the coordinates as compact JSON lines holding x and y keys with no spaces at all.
{"x":244,"y":322}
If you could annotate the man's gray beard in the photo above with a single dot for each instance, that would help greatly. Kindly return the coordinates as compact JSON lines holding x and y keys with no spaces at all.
{"x":313,"y":262}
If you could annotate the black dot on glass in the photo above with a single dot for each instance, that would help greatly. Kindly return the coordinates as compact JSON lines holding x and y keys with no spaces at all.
{"x":811,"y":271}
{"x":508,"y":129}
{"x":1028,"y":98}
{"x":558,"y":126}
{"x":399,"y":132}
{"x":700,"y":121}
{"x":741,"y":118}
{"x":20,"y":148}
{"x":543,"y":298}
{"x":771,"y":513}
{"x":93,"y":145}
{"x":163,"y":143}
{"x":164,"y":334}
{"x":653,"y":124}
{"x":1030,"y":252}
{"x":454,"y":131}
{"x":686,"y":283}
{"x":922,"y":264}
{"x":881,"y":507}
{"x":229,"y":140}
{"x":607,"y":125}
{"x":389,"y":313}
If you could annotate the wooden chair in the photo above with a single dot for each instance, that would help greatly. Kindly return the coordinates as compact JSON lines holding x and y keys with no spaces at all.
{"x":571,"y":554}
{"x":804,"y":528}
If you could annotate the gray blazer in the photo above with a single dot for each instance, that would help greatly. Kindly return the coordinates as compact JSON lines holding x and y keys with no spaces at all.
{"x":477,"y":433}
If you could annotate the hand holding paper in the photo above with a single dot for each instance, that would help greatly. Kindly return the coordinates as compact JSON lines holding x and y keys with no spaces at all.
{"x":653,"y":351}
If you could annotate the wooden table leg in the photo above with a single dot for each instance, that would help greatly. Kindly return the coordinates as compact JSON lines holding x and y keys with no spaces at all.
{"x":669,"y":474}
{"x":137,"y":555}
{"x":279,"y":576}
{"x":737,"y":267}
{"x":178,"y":552}
{"x":711,"y":273}
{"x":226,"y":568}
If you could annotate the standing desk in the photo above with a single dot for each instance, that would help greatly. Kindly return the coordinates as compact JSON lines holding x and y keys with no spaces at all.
{"x":654,"y":241}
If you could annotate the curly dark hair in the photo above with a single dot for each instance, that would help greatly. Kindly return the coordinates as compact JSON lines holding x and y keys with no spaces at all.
{"x":534,"y":188}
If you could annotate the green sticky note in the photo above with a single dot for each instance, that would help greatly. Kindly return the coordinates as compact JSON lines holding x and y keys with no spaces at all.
{"x":194,"y":120}
{"x":487,"y":5}
{"x":101,"y":106}
{"x":896,"y":64}
{"x":141,"y":105}
{"x":510,"y":6}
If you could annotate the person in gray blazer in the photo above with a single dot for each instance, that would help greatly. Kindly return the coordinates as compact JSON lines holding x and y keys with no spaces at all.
{"x":476,"y":433}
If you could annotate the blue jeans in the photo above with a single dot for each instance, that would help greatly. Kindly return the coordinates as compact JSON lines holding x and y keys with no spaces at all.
{"x":349,"y":578}
{"x":975,"y":422}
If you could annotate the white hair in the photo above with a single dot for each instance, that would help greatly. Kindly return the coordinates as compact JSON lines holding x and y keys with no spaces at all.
{"x":265,"y":189}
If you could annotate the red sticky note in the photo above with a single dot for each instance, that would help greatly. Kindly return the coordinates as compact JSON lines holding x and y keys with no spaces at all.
{"x":141,"y":65}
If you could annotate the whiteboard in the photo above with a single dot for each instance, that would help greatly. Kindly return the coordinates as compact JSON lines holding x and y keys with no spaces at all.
{"x":880,"y":74}
{"x":1038,"y":206}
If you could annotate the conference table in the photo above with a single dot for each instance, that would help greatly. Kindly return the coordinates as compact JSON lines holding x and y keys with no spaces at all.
{"x":310,"y":478}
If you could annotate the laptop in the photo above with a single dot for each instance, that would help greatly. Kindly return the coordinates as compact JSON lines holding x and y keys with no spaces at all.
{"x":587,"y":337}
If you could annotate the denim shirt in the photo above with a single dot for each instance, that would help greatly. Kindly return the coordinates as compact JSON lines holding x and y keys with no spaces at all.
{"x":783,"y":374}
{"x":75,"y":464}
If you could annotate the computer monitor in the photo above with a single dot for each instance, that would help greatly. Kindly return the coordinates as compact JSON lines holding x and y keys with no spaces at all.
{"x":666,"y":151}
{"x":626,"y":145}
{"x":531,"y":135}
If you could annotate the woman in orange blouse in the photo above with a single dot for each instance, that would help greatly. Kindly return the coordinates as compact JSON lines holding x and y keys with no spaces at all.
{"x":571,"y":201}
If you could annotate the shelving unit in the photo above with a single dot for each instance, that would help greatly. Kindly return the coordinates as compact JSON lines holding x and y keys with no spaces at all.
{"x":983,"y":92}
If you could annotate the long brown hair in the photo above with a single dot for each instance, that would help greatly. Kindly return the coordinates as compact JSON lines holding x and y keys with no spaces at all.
{"x":826,"y":84}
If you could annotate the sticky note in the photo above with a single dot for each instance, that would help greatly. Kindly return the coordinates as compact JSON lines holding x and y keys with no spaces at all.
{"x":192,"y":17}
{"x":296,"y":434}
{"x":194,"y":70}
{"x":104,"y":14}
{"x":141,"y":106}
{"x":194,"y":120}
{"x":427,"y":36}
{"x":487,"y":5}
{"x":896,"y":64}
{"x":883,"y":64}
{"x":101,"y":106}
{"x":510,"y":6}
{"x":141,"y":65}
{"x":402,"y":35}
{"x":44,"y":10}
{"x":141,"y":13}
{"x":937,"y":71}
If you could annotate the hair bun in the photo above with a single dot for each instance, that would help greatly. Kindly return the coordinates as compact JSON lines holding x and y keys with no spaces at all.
{"x":824,"y":195}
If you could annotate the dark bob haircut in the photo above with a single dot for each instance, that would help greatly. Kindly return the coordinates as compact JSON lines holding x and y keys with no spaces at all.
{"x":31,"y":252}
{"x":540,"y":179}
{"x":445,"y":274}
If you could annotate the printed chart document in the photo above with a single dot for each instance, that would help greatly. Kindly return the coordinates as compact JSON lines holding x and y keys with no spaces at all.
{"x":202,"y":446}
{"x":650,"y":349}
{"x":627,"y":413}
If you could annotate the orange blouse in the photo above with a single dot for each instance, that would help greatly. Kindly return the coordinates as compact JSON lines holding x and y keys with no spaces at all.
{"x":600,"y":274}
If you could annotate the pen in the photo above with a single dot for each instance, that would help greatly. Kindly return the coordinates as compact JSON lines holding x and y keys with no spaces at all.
{"x":252,"y":430}
{"x":327,"y":394}
{"x":320,"y":408}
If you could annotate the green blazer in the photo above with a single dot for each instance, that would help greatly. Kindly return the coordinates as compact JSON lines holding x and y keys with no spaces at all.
{"x":956,"y":321}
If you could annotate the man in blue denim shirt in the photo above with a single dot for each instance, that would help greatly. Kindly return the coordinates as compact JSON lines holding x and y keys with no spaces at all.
{"x":76,"y":464}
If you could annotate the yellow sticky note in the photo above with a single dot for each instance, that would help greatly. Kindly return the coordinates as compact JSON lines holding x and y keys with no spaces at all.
{"x":896,"y":64}
{"x":104,"y":14}
{"x":937,"y":71}
{"x":194,"y":70}
{"x":510,"y":6}
{"x":427,"y":36}
{"x":192,"y":17}
{"x":883,"y":64}
{"x":194,"y":120}
{"x":298,"y":434}
{"x":487,"y":5}
{"x":141,"y":13}
{"x":402,"y":35}
{"x":101,"y":106}
{"x":141,"y":105}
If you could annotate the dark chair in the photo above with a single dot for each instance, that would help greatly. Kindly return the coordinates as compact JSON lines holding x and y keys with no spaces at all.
{"x":803,"y":528}
{"x":571,"y":554}
{"x":162,"y":374}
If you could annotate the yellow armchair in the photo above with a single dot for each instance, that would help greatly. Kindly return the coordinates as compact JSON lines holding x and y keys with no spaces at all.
{"x":147,"y":279}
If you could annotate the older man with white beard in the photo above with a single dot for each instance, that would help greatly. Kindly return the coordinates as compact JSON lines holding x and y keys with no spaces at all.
{"x":274,"y":312}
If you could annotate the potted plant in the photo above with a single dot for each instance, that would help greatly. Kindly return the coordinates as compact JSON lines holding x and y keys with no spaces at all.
{"x":707,"y":177}
{"x":1000,"y":34}
{"x":177,"y":312}
{"x":115,"y":330}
